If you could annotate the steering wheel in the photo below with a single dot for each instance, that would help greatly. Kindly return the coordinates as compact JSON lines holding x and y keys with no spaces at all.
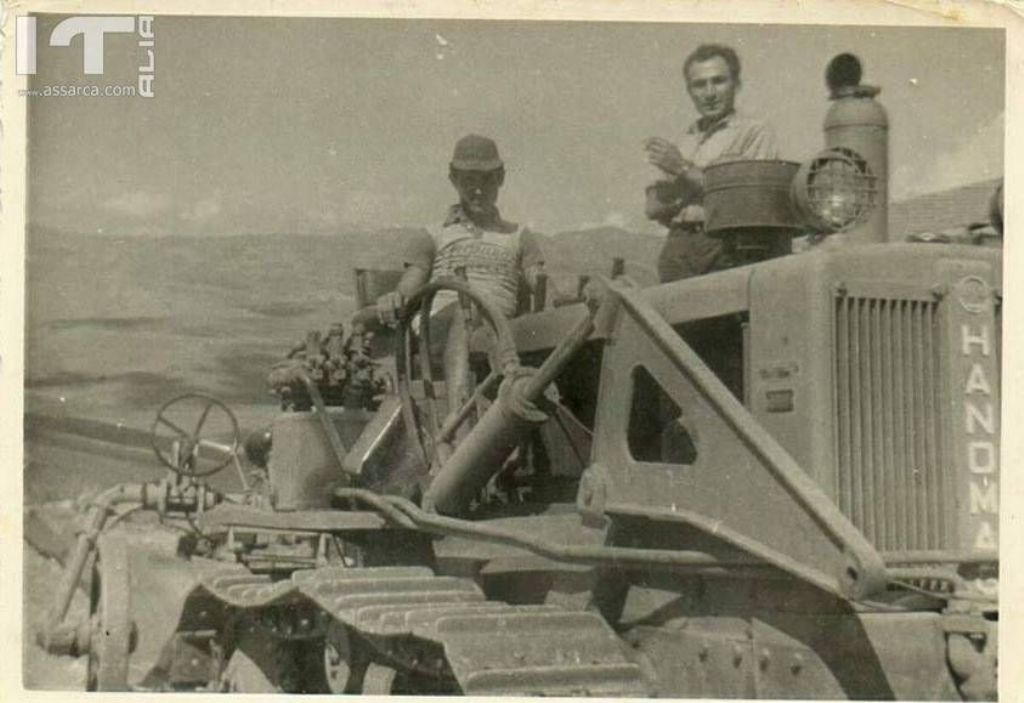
{"x":199,"y":454}
{"x":429,"y":429}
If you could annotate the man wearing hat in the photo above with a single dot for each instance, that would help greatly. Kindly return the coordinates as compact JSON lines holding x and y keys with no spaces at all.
{"x":498,"y":256}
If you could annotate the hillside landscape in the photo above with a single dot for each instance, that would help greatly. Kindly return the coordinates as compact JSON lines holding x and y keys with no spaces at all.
{"x":117,"y":325}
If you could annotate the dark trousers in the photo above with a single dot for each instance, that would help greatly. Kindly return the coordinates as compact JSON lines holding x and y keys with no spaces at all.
{"x":689,"y":252}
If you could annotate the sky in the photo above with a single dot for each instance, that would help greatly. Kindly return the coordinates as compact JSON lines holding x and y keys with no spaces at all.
{"x":263,"y":125}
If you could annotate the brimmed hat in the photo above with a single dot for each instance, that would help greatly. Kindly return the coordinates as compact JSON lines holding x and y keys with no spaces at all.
{"x":476,"y":153}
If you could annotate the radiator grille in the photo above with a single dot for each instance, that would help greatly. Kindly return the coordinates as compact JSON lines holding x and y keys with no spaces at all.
{"x":893,"y":473}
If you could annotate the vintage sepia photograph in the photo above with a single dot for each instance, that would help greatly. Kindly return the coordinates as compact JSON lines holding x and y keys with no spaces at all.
{"x":615,"y":356}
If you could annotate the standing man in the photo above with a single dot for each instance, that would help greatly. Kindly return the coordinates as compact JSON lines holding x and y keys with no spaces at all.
{"x":712,"y":74}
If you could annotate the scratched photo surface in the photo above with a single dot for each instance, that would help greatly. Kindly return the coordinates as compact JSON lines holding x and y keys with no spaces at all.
{"x":760,"y":456}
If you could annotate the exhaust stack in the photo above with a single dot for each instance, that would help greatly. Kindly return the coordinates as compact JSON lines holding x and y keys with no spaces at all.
{"x":858,"y":122}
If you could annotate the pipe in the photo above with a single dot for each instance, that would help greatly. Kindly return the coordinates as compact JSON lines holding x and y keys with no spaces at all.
{"x":483,"y":451}
{"x":455,"y":421}
{"x":559,"y":357}
{"x":857,"y":121}
{"x":598,"y":555}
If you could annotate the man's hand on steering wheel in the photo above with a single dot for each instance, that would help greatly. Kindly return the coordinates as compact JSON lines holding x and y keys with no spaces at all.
{"x":389,"y":306}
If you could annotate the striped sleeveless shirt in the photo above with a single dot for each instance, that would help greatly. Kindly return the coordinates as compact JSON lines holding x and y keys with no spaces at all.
{"x":490,"y":259}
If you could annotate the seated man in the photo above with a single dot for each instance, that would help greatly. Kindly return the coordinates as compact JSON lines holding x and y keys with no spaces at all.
{"x":498,"y":257}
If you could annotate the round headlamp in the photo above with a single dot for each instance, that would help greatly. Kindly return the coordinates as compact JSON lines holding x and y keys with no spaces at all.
{"x":834,"y":191}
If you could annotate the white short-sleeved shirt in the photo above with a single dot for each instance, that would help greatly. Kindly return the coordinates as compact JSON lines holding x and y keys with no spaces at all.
{"x":733,"y":138}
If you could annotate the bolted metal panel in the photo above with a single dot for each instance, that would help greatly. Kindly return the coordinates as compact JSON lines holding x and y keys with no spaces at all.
{"x":893,"y":468}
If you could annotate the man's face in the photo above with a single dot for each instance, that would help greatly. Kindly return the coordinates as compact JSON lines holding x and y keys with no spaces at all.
{"x":712,"y":87}
{"x":478,"y":190}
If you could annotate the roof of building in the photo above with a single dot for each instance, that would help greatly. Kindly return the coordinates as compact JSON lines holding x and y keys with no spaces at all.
{"x":942,"y":210}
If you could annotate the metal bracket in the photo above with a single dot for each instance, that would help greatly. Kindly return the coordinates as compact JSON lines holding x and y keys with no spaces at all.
{"x":743,"y":488}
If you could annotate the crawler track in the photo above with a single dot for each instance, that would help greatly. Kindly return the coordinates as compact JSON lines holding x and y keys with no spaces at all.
{"x":443,"y":626}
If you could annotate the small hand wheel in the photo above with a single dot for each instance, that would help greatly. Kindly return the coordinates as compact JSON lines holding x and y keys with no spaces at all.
{"x":208,"y":447}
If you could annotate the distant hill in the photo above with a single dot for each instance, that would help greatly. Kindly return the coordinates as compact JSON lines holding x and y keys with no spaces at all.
{"x":591,"y":251}
{"x":73,"y":276}
{"x":118,"y":324}
{"x":946,"y":209}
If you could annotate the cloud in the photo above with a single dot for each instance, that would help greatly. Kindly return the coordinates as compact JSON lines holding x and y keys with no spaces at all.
{"x":616,"y":219}
{"x":203,"y":209}
{"x":140,"y":204}
{"x":613,"y":218}
{"x":976,"y":157}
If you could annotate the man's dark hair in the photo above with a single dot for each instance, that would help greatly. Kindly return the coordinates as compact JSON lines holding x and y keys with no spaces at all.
{"x":706,"y":52}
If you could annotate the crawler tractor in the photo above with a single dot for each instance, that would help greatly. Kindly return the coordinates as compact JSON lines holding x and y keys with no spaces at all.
{"x":778,"y":480}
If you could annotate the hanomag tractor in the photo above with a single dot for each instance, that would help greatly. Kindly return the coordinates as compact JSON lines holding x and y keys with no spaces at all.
{"x":777,"y":480}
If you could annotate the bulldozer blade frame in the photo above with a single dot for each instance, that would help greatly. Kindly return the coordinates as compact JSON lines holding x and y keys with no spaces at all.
{"x":743,"y":487}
